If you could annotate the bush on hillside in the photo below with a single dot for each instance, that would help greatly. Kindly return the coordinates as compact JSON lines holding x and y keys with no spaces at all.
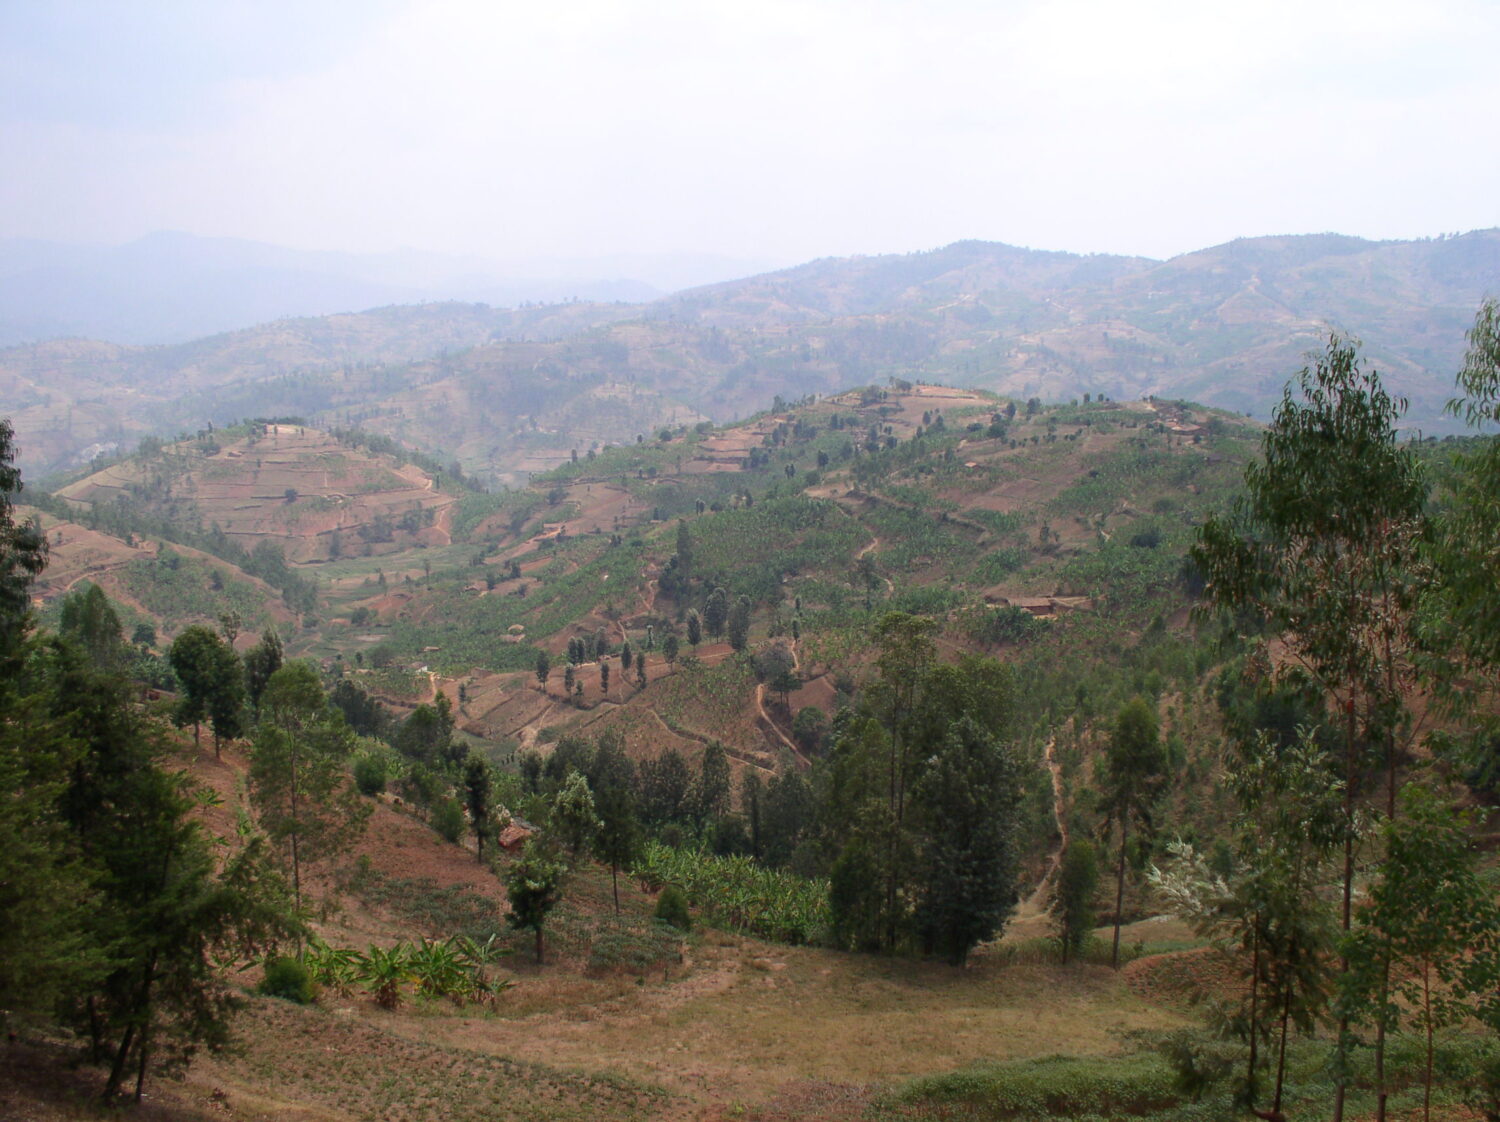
{"x":672,"y":908}
{"x":288,"y":979}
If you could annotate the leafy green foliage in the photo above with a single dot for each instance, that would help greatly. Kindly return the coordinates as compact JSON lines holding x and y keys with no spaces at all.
{"x":1133,"y":777}
{"x":298,"y":778}
{"x":534,"y":884}
{"x":1073,"y":897}
{"x":212,"y":682}
{"x":751,"y":549}
{"x":23,"y":548}
{"x":288,"y":979}
{"x":672,"y":908}
{"x":1058,"y":1087}
{"x":968,"y":793}
{"x":739,"y":893}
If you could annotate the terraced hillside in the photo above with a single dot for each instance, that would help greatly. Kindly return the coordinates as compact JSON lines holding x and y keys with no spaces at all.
{"x":507,"y":393}
{"x":301,"y":490}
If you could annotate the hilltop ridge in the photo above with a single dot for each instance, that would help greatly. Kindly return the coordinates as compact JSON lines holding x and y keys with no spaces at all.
{"x":508,"y":392}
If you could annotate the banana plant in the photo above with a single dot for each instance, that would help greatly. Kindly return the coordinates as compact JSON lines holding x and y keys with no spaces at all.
{"x":383,"y":972}
{"x":439,"y":970}
{"x":334,"y":968}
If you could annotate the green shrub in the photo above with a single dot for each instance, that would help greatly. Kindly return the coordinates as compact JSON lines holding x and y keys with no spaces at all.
{"x":672,"y":907}
{"x":288,"y":979}
{"x":448,"y":819}
{"x":1053,"y":1086}
{"x":370,"y":774}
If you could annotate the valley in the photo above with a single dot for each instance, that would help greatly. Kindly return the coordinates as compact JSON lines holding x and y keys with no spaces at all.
{"x":726,"y":613}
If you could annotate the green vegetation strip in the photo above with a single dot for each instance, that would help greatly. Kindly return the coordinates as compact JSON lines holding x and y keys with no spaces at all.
{"x":740,"y":893}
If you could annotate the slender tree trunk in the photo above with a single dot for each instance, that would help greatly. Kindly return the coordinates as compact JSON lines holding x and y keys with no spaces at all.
{"x":1254,"y":1015}
{"x":1381,"y":1093}
{"x":1341,"y":1076}
{"x":296,"y":865}
{"x":117,"y":1069}
{"x":890,"y":859}
{"x":1286,"y":1016}
{"x":296,"y":875}
{"x":96,"y":1031}
{"x":1427,"y":1017}
{"x":1114,"y":958}
{"x":143,"y":1010}
{"x":614,"y":882}
{"x":539,"y":944}
{"x":140,"y":1072}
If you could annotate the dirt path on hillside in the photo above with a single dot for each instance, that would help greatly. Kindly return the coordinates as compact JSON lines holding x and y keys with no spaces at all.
{"x":1059,"y":813}
{"x":876,"y":543}
{"x":765,"y":718}
{"x":1031,"y":913}
{"x":685,"y":733}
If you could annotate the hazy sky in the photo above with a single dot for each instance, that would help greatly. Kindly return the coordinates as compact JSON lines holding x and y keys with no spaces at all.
{"x":757,"y":128}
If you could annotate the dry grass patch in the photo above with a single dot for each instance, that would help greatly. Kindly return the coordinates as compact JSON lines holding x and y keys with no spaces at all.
{"x":748,"y":1018}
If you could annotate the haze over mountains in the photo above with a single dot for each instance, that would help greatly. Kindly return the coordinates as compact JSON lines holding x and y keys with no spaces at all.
{"x":172,"y":287}
{"x":507,"y":392}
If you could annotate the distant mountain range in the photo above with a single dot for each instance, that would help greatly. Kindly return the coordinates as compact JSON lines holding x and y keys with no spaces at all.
{"x":173,"y":287}
{"x":505,"y":392}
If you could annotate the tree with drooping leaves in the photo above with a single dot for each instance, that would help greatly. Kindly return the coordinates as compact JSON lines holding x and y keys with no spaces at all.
{"x":738,"y":623}
{"x":715,"y":613}
{"x":212,"y":682}
{"x":1426,"y":917}
{"x":1132,"y":778}
{"x":1270,"y":910}
{"x":1465,"y":548}
{"x":261,"y":661}
{"x":967,"y":801}
{"x":1323,"y":551}
{"x":89,"y":619}
{"x":712,"y":790}
{"x":23,"y":546}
